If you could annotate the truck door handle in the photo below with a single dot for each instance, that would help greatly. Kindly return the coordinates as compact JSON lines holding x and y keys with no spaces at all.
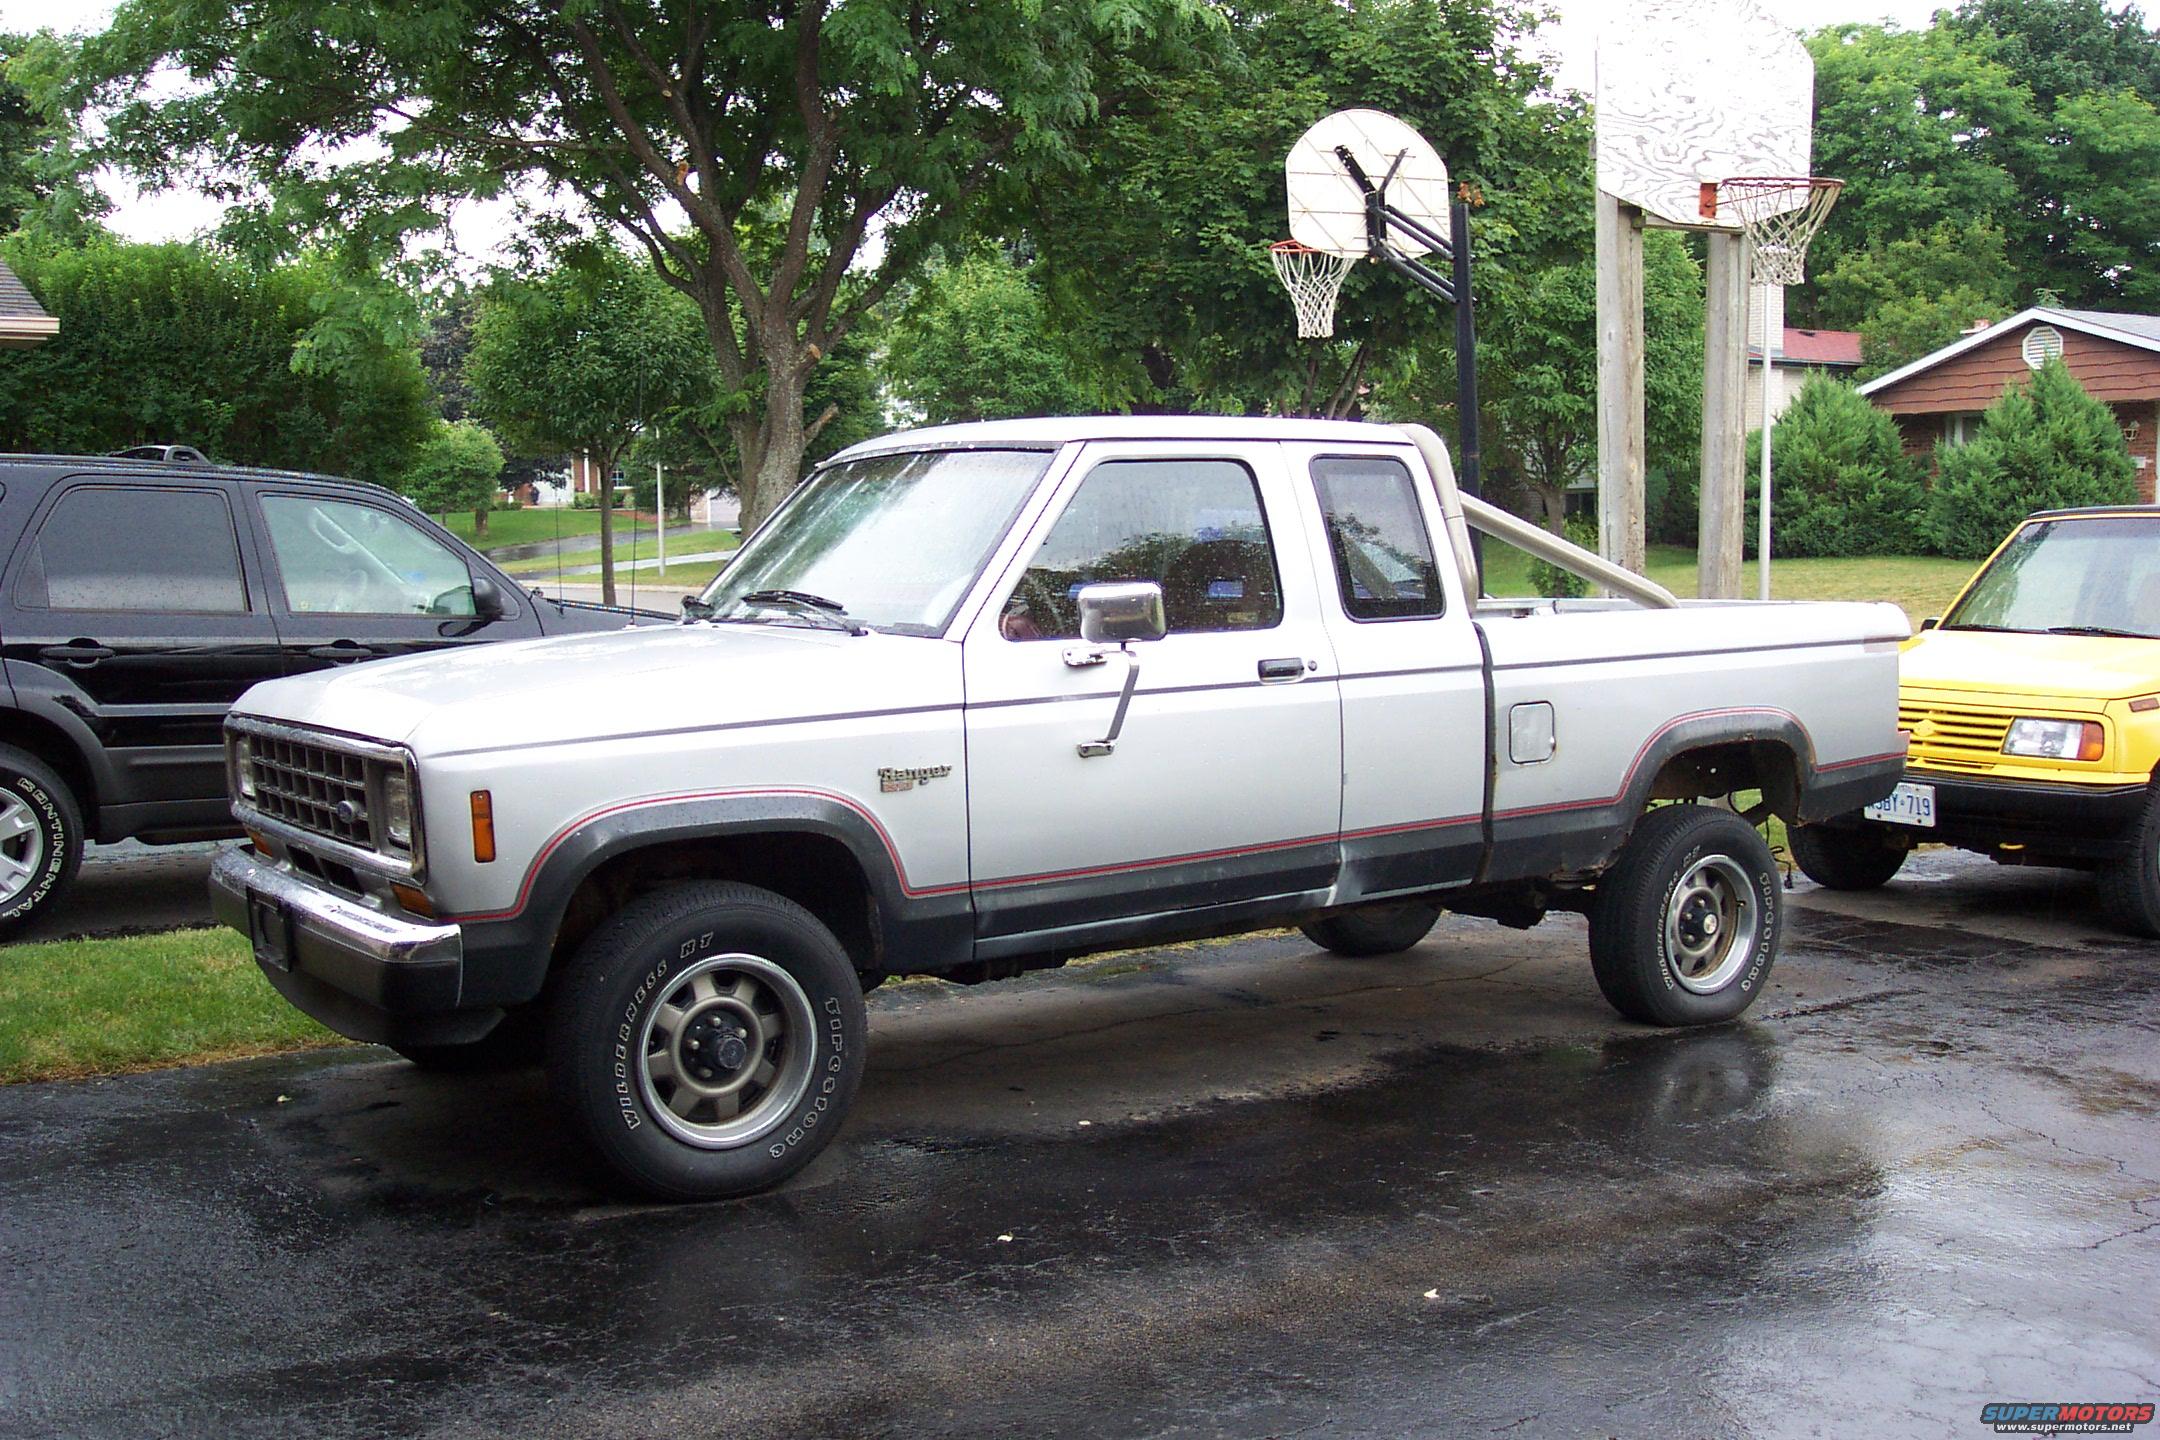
{"x":343,"y":650}
{"x":1281,"y":671}
{"x":81,"y":654}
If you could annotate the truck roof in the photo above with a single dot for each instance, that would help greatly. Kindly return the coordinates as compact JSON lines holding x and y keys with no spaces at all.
{"x":1066,"y":429}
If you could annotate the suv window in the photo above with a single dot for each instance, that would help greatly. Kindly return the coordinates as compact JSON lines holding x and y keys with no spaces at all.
{"x":135,"y":548}
{"x":1383,"y":553}
{"x":338,"y":557}
{"x":1194,"y":527}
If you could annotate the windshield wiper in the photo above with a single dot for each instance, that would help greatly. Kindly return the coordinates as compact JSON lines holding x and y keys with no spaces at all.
{"x":826,"y":612}
{"x":1998,"y":629}
{"x":2105,"y":630}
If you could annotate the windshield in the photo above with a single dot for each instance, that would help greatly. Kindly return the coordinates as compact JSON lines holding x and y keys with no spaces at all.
{"x":893,"y":541}
{"x":2099,"y":576}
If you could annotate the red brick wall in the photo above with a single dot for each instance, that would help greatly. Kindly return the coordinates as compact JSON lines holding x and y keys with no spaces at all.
{"x":2141,"y":427}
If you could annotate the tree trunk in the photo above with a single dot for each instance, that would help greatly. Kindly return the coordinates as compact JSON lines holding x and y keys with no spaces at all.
{"x":772,"y":461}
{"x":607,"y":539}
{"x":479,"y":521}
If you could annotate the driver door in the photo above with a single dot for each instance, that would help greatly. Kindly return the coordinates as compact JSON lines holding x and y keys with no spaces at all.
{"x":353,"y":579}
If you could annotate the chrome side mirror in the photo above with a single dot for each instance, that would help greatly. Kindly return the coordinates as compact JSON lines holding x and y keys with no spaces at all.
{"x":1122,"y":612}
{"x":1118,"y":614}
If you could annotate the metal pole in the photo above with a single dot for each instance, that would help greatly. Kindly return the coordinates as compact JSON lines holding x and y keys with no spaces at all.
{"x":659,"y":480}
{"x":1466,"y":394}
{"x":1762,"y":532}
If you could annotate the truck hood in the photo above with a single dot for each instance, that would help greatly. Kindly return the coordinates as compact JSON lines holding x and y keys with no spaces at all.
{"x":1983,"y":662}
{"x":573,"y":687}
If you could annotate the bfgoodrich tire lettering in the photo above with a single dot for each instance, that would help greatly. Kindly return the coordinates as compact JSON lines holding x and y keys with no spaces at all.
{"x":707,"y":1041}
{"x":41,"y":836}
{"x":1686,"y":925}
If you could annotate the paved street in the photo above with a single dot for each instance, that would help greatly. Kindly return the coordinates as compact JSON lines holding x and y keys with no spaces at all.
{"x":1231,"y":1190}
{"x":128,"y":888}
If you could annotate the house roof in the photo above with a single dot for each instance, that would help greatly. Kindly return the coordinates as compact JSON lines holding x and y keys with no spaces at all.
{"x":1822,"y":347}
{"x":2141,"y":332}
{"x":22,"y":320}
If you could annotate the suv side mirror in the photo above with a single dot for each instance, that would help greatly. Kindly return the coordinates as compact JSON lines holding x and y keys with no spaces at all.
{"x":1118,"y":613}
{"x":487,"y":600}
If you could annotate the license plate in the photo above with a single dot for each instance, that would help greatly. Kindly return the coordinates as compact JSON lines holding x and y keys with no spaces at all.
{"x":270,"y":930}
{"x":1906,"y":805}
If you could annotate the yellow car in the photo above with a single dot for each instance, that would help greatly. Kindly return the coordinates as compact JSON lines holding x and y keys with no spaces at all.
{"x":2033,"y":712}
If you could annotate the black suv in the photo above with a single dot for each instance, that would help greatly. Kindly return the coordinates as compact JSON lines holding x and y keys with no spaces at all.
{"x":140,"y":598}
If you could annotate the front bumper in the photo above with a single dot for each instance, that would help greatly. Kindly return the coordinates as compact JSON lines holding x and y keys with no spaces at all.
{"x":2083,"y":822}
{"x":360,"y":971}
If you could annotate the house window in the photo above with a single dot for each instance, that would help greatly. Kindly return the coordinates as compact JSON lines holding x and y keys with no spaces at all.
{"x":1961,"y":428}
{"x":2042,"y":344}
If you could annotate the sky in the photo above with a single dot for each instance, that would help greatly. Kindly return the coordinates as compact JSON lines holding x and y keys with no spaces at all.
{"x":478,"y":230}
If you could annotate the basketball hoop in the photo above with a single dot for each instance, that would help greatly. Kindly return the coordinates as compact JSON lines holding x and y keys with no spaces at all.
{"x":1780,"y":215}
{"x":1313,"y":278}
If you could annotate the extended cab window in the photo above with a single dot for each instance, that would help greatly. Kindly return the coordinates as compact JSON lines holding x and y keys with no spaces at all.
{"x":1376,"y":534}
{"x":1193,"y":527}
{"x":125,"y":548}
{"x":336,"y":557}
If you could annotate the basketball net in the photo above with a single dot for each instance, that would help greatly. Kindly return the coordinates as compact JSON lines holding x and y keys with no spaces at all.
{"x":1313,"y":278}
{"x":1779,"y":215}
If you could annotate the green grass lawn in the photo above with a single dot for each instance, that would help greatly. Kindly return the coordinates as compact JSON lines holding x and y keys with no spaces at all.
{"x":526,"y":527}
{"x":99,"y":1007}
{"x":680,"y":542}
{"x":1922,"y":584}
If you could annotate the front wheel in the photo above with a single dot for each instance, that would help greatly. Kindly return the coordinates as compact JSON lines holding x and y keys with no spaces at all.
{"x":2130,"y":885}
{"x":1846,"y":858}
{"x":1685,"y":925}
{"x":41,"y":837}
{"x":707,"y":1040}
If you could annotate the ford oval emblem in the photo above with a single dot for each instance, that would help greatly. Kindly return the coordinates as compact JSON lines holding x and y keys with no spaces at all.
{"x":348,"y":813}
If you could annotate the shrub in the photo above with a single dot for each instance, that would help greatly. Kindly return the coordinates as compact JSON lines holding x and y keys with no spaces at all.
{"x":1840,"y":482}
{"x":1549,"y":579}
{"x":2043,"y":446}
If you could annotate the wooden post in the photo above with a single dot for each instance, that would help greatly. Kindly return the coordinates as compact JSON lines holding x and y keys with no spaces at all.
{"x":1620,"y":358}
{"x":1723,"y":493}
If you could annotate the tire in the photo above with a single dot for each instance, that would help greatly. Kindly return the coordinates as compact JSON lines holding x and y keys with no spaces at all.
{"x":1652,"y":952}
{"x":1844,"y":858}
{"x":707,"y":1041}
{"x":1376,"y":930}
{"x":514,"y":1044}
{"x":41,"y":837}
{"x":2130,"y":886}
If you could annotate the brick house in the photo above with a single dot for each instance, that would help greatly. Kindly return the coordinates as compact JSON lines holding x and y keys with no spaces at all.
{"x":1798,"y":355}
{"x":2115,"y":357}
{"x":23,"y":322}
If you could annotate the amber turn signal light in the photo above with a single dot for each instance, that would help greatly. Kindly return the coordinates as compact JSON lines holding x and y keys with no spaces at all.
{"x":483,"y":826}
{"x":413,"y":898}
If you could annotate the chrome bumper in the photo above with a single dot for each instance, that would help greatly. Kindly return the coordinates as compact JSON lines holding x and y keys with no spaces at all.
{"x":349,"y":965}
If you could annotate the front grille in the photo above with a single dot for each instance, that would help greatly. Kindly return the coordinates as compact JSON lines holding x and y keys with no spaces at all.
{"x":1946,"y":735}
{"x":319,"y":789}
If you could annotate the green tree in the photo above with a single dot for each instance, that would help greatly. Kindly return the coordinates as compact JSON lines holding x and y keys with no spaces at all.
{"x":974,"y":343}
{"x":1918,"y":292}
{"x":44,"y":176}
{"x":1842,"y":483}
{"x":290,"y":367}
{"x":2042,"y":446}
{"x":2066,"y":48}
{"x":458,"y":467}
{"x":580,"y":359}
{"x":673,"y":120}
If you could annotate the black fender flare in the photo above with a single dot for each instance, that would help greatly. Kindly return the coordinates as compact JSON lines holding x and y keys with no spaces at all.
{"x":48,"y":697}
{"x":1709,"y":729}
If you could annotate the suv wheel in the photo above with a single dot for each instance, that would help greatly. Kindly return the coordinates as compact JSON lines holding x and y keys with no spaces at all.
{"x":41,"y":836}
{"x":1844,"y":858}
{"x":1377,"y":930}
{"x":1685,"y":925}
{"x":2130,"y":886}
{"x":707,"y":1040}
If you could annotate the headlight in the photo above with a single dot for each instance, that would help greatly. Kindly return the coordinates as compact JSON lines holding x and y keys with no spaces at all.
{"x":397,"y":809}
{"x":2055,"y":739}
{"x":243,"y":757}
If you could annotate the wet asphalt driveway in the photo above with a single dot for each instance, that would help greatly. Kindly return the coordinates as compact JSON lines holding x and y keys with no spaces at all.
{"x":1240,"y":1190}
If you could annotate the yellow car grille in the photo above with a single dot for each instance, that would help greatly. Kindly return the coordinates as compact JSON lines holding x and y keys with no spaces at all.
{"x":1945,"y":736}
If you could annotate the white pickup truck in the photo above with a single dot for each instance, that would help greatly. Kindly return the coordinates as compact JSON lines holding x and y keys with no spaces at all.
{"x":980,"y":699}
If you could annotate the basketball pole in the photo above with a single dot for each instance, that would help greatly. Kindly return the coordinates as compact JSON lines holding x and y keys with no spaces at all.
{"x":1722,"y":497}
{"x":1620,"y":360}
{"x":1762,"y":537}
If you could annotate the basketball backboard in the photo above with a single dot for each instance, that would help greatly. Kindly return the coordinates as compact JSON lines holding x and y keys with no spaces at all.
{"x":1327,"y":206}
{"x":1695,"y":91}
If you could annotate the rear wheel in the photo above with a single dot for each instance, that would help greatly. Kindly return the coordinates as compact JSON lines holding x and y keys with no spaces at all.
{"x":1375,"y":930}
{"x":2130,"y":886}
{"x":1846,"y":858}
{"x":41,"y":836}
{"x":1685,"y":925}
{"x":707,"y":1040}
